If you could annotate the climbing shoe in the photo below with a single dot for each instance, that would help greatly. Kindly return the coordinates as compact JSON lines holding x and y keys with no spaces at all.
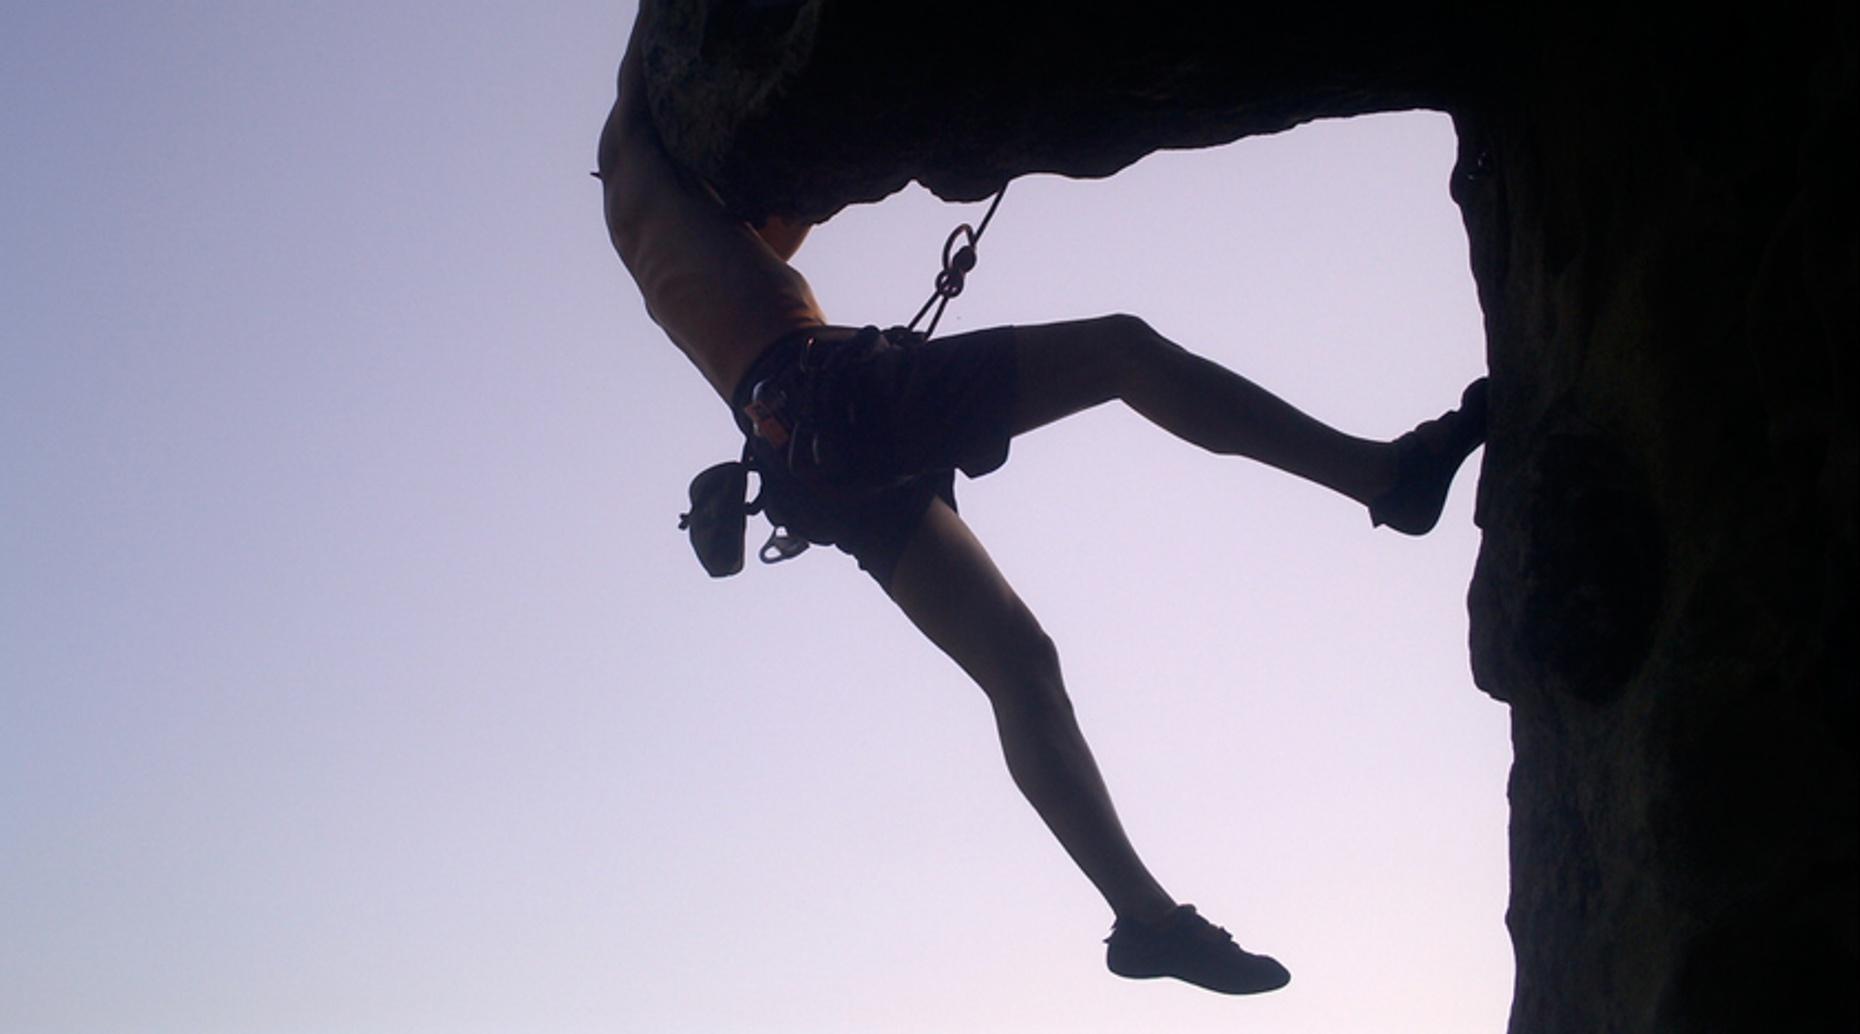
{"x":1426,"y":459}
{"x":1187,"y":947}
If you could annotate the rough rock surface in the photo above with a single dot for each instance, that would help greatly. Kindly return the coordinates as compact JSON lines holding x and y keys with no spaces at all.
{"x":1661,"y":214}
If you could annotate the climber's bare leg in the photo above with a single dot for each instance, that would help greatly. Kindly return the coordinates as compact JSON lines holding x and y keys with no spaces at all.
{"x":947,"y":585}
{"x":1068,"y":367}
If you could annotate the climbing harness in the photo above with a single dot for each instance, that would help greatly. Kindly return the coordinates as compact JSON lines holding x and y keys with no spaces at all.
{"x":957,"y":264}
{"x":719,"y":509}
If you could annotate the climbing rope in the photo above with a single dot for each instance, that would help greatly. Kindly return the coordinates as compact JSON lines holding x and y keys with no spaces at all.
{"x":957,"y":264}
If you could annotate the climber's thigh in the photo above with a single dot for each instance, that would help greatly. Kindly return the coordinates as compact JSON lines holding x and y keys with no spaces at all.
{"x":1072,"y":366}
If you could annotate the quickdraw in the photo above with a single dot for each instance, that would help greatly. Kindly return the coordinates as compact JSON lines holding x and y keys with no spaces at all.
{"x":958,"y":262}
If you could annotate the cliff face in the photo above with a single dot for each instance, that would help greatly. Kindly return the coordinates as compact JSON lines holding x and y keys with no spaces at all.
{"x":1662,"y":223}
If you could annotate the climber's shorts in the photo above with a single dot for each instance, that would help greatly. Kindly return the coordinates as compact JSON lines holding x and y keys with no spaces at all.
{"x":897,"y":415}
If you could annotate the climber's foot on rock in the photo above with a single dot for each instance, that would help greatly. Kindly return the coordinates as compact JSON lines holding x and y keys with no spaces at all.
{"x":1426,"y":460}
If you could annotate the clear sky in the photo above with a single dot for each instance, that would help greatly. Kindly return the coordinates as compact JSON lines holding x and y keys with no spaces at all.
{"x":355,"y":678}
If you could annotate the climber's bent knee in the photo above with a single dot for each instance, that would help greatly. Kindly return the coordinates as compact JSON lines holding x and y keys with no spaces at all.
{"x":1069,"y":367}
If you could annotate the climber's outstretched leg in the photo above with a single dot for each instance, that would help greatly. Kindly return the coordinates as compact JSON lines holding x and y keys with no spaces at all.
{"x":1067,"y":367}
{"x":947,"y":585}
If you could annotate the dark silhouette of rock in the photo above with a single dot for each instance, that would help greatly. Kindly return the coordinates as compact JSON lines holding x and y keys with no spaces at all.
{"x":1661,"y":215}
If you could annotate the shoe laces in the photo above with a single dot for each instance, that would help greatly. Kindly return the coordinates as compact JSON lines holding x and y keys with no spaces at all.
{"x":1218,"y":934}
{"x":1202,"y":930}
{"x":1193,"y":925}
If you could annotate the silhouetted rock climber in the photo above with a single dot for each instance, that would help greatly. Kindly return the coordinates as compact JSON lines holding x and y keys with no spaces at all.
{"x":857,"y":433}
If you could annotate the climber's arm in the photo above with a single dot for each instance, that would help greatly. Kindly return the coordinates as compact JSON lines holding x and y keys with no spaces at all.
{"x":646,"y":193}
{"x":637,"y":172}
{"x":657,"y":213}
{"x":783,"y":237}
{"x":630,"y":161}
{"x":721,"y":290}
{"x":631,"y":110}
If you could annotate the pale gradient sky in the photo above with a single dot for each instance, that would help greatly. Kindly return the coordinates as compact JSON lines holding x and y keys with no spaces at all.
{"x":355,"y":678}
